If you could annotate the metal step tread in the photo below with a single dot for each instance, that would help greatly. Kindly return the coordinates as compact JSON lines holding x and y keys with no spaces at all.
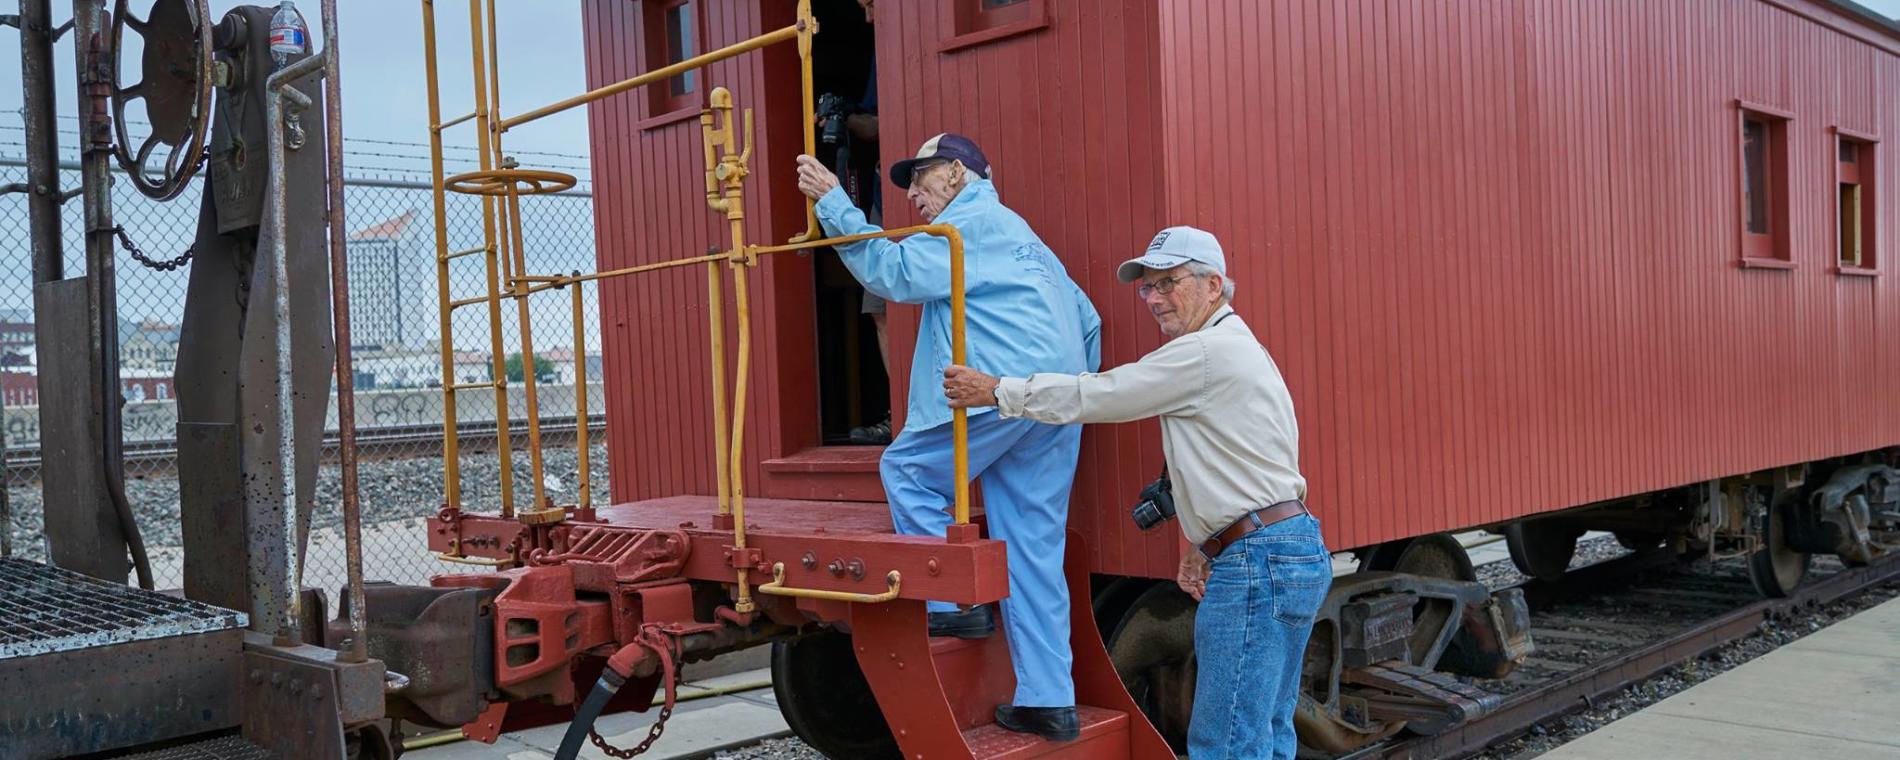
{"x":221,"y":748}
{"x":45,"y":609}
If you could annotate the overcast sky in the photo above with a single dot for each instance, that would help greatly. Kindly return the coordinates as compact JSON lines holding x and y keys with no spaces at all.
{"x":383,"y":81}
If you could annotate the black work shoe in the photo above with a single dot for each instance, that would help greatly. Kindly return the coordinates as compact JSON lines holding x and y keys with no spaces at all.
{"x":873,"y":435}
{"x":974,"y":623}
{"x":1057,"y":724}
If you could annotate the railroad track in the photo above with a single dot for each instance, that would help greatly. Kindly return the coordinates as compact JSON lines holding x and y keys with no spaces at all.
{"x":381,"y":442}
{"x":1598,"y":632}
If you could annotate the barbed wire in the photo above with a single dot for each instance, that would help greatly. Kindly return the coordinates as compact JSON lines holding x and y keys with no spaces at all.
{"x":423,"y":146}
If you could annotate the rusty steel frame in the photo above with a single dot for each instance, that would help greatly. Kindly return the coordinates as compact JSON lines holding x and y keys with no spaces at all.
{"x":1577,"y":689}
{"x":280,"y":600}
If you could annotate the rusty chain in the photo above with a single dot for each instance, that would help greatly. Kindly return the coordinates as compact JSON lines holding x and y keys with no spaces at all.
{"x":664,"y":649}
{"x":162,"y":266}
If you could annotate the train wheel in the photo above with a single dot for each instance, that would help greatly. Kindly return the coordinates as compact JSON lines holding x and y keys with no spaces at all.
{"x":1436,"y":556}
{"x":1541,"y":549}
{"x":825,"y":699}
{"x":1153,"y":650}
{"x":1775,"y":569}
{"x":1383,"y":557}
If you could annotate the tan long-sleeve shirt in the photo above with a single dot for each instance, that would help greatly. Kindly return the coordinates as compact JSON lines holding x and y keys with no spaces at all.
{"x":1227,"y":424}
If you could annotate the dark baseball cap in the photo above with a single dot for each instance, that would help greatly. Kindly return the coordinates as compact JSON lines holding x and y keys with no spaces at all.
{"x":943,"y":147}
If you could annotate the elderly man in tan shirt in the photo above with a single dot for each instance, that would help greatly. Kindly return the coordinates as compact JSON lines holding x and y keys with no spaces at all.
{"x":1232,"y":446}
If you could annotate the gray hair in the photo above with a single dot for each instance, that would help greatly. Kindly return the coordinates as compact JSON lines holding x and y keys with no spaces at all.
{"x":1199,"y":269}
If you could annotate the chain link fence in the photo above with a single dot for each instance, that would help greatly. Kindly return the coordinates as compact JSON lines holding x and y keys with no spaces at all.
{"x":396,"y":353}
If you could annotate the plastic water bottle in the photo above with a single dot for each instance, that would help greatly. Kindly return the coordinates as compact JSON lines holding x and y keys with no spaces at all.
{"x":288,"y":34}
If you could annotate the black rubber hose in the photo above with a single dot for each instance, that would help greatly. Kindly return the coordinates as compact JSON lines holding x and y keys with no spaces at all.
{"x":584,"y":716}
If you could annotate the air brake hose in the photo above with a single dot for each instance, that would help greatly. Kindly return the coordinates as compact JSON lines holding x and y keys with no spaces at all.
{"x":584,"y":716}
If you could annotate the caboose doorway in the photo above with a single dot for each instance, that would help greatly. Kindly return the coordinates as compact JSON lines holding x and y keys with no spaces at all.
{"x":853,"y":383}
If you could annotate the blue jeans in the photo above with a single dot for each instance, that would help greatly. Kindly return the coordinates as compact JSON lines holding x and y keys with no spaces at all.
{"x":1250,"y":639}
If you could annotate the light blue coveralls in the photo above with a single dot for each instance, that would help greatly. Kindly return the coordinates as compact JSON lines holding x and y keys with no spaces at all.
{"x":1023,"y":315}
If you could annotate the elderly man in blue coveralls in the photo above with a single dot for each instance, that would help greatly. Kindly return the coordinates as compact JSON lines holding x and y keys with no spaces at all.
{"x":1023,"y":315}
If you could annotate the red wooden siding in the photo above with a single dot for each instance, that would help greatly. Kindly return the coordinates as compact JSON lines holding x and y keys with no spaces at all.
{"x":1493,"y":245}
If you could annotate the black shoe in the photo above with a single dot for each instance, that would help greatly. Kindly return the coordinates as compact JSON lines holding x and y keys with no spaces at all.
{"x":974,"y":623}
{"x":873,"y":435}
{"x":1057,"y":724}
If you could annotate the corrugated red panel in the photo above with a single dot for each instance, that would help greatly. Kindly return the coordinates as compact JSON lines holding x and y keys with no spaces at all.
{"x":1493,"y":246}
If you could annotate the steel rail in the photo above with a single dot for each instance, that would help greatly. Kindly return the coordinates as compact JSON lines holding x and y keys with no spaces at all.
{"x":1578,"y":689}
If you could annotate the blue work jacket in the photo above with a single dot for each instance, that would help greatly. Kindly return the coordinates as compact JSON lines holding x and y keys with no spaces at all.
{"x":1022,"y":313}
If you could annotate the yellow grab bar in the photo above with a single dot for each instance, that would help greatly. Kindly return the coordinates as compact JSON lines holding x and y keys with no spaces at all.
{"x":893,"y":582}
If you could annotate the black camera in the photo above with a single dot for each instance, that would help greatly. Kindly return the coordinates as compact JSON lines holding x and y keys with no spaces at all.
{"x":1156,"y":505}
{"x":832,"y":110}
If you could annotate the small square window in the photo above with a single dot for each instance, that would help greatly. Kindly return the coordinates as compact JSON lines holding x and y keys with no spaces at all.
{"x":1856,"y":227}
{"x":673,"y":31}
{"x":974,"y":22}
{"x":1762,"y":192}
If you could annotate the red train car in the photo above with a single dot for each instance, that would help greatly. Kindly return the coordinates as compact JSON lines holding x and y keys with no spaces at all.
{"x":1505,"y":252}
{"x":1538,"y":267}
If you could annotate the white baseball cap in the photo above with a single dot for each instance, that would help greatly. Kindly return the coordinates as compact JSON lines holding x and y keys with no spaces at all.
{"x":1173,"y":247}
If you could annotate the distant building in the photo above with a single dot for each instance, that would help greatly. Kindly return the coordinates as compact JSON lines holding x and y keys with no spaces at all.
{"x":392,"y":286}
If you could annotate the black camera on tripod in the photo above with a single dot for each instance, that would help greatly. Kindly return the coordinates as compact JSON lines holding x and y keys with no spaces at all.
{"x":1156,"y":505}
{"x":832,"y":112}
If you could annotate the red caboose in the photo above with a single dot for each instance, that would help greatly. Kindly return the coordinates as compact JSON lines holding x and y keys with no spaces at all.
{"x":1536,"y":267}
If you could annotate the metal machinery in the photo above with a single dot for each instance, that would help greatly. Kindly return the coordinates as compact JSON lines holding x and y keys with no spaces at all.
{"x":607,"y":602}
{"x":238,"y":668}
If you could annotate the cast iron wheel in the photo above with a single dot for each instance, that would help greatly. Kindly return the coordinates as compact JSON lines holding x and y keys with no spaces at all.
{"x":1433,"y":556}
{"x":1152,"y":647}
{"x":1775,"y":569}
{"x":825,"y":699}
{"x":1541,"y":549}
{"x":1383,"y":557}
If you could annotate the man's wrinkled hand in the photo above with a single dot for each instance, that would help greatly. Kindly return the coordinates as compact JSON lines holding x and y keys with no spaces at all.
{"x":1191,"y":576}
{"x":966,"y":387}
{"x":814,"y":180}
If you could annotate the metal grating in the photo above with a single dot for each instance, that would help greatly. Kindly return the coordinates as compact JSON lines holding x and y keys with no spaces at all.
{"x":46,"y":609}
{"x":222,"y":748}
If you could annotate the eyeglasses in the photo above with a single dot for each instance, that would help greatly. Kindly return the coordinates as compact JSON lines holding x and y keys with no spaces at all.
{"x":1163,"y":286}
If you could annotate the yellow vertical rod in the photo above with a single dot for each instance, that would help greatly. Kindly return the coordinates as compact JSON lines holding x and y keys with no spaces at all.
{"x":738,"y":409}
{"x":528,"y":384}
{"x":503,"y":439}
{"x":507,"y":221}
{"x":716,"y":307}
{"x":451,"y":443}
{"x":585,"y":489}
{"x":960,"y":422}
{"x":807,"y":25}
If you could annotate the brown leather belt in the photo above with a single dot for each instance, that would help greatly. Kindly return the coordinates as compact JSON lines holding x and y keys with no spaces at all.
{"x":1248,"y":523}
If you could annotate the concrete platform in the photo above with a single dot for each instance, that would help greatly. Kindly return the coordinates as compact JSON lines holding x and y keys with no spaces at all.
{"x":1835,"y":693}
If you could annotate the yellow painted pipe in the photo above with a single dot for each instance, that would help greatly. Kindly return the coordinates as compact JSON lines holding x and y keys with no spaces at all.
{"x":658,"y":75}
{"x":529,"y":383}
{"x":960,"y":429}
{"x":504,"y":442}
{"x":451,"y":443}
{"x":893,"y":583}
{"x":585,"y":489}
{"x":715,"y":295}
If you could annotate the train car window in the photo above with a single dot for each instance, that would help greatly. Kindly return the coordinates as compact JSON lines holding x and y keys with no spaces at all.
{"x":973,"y":22}
{"x":674,"y":32}
{"x":1763,"y":191}
{"x":1755,"y":174}
{"x":1855,"y":178}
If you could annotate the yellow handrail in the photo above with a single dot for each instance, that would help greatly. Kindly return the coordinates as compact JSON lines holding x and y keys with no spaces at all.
{"x":893,"y":584}
{"x":500,"y":184}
